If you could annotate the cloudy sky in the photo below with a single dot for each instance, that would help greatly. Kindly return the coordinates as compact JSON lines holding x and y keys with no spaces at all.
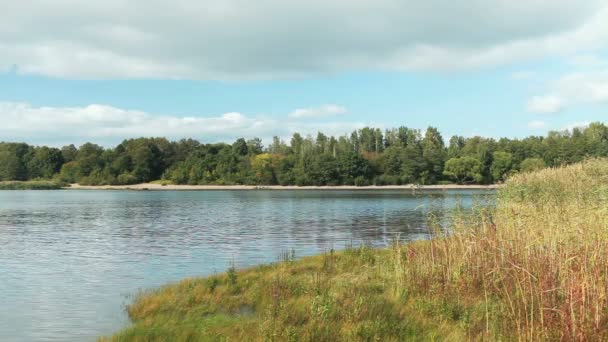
{"x":73,"y":71}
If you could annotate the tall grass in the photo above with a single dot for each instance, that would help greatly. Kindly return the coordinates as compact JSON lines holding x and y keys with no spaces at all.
{"x":533,"y":268}
{"x":538,"y":262}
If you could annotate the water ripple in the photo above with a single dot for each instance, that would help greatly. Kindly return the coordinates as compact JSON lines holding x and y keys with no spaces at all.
{"x":70,"y":260}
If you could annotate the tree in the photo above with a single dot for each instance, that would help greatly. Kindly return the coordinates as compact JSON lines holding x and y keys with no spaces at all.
{"x":532,"y":164}
{"x":88,"y":159}
{"x":146,"y":159}
{"x":323,"y":170}
{"x":392,"y":160}
{"x":501,"y":165}
{"x":433,"y":153}
{"x":296,"y":144}
{"x":352,"y":166}
{"x":240,"y":148}
{"x":13,"y":160}
{"x":365,"y":156}
{"x":463,"y":169}
{"x":10,"y":166}
{"x":254,"y":146}
{"x":263,"y":167}
{"x":597,"y":139}
{"x":70,"y":172}
{"x":45,"y":163}
{"x":69,"y":153}
{"x":456,"y":145}
{"x":413,"y":164}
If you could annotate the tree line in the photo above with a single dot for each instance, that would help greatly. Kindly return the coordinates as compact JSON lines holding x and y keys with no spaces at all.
{"x":368,"y":156}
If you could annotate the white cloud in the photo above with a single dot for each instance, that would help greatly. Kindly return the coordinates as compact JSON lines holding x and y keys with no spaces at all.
{"x":523,"y":75}
{"x":243,"y":39}
{"x":545,"y":104}
{"x":536,"y":124}
{"x":587,"y":61}
{"x":318,"y":112}
{"x":108,"y":125}
{"x":574,"y":125}
{"x":585,"y":87}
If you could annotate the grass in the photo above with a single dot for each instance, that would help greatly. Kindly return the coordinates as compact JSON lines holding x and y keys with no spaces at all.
{"x":31,"y":185}
{"x":534,"y":268}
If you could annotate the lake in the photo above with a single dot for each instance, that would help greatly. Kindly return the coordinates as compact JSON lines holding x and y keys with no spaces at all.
{"x":71,"y":260}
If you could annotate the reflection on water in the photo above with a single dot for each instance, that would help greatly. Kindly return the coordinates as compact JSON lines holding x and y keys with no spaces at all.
{"x":69,"y":260}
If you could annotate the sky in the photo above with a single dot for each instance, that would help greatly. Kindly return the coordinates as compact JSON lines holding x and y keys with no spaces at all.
{"x":73,"y":71}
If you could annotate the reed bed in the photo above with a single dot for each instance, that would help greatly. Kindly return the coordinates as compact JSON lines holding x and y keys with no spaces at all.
{"x":31,"y":185}
{"x":538,"y":261}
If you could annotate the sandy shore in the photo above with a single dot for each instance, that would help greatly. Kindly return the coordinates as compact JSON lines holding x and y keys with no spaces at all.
{"x":156,"y":187}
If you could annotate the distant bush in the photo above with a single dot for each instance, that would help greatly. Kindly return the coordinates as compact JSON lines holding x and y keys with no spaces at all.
{"x":32,"y":185}
{"x":127,"y":179}
{"x":361,"y":181}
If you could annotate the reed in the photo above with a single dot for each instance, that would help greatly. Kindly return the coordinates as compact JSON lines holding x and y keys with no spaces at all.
{"x":538,"y":261}
{"x":31,"y":185}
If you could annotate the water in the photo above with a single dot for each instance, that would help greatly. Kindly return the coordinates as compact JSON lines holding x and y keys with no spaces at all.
{"x":71,"y":260}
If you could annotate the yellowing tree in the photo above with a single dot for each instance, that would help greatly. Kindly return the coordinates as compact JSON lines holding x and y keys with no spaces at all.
{"x":263,"y":166}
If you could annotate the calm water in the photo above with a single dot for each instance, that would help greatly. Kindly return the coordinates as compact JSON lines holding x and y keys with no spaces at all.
{"x":70,"y":260}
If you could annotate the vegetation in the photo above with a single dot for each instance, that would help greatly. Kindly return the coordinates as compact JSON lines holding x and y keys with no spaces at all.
{"x":533,"y":268}
{"x":365,"y":157}
{"x":31,"y":185}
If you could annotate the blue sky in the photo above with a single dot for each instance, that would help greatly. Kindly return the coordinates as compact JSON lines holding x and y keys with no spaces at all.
{"x":104,"y":75}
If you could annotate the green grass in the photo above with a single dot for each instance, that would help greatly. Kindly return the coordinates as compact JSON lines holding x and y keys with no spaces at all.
{"x":535,"y":268}
{"x":31,"y":185}
{"x":336,"y":296}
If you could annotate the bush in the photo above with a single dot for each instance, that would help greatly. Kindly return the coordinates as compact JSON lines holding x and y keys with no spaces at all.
{"x":532,"y":164}
{"x":361,"y":181}
{"x":126,"y":179}
{"x":32,"y":185}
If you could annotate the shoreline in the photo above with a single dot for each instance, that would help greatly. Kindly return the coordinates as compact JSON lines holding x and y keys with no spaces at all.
{"x":422,"y":290}
{"x":170,"y":187}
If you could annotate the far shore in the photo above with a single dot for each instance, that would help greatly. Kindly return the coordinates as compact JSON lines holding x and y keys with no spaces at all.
{"x":171,"y":187}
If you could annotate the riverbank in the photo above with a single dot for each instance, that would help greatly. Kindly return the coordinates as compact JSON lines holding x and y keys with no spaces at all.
{"x":533,"y":268}
{"x":31,"y":185}
{"x":172,"y":187}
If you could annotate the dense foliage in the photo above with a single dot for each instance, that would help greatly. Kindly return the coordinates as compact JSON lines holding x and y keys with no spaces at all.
{"x":367,"y":156}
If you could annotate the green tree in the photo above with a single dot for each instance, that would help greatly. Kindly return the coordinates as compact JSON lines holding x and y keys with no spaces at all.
{"x":323,"y":170}
{"x":433,"y":154}
{"x":463,"y":169}
{"x":10,"y":166}
{"x":456,"y":145}
{"x":532,"y":164}
{"x":501,"y":165}
{"x":69,"y":153}
{"x":240,"y":148}
{"x":13,"y":161}
{"x":254,"y":146}
{"x":45,"y":163}
{"x":70,"y":172}
{"x":352,"y":166}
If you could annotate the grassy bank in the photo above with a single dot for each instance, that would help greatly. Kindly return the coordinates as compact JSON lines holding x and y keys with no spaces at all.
{"x":31,"y":185}
{"x":534,"y":268}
